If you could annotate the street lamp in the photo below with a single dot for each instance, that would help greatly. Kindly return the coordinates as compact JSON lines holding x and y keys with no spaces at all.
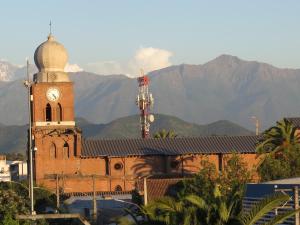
{"x":28,"y":85}
{"x":256,"y":124}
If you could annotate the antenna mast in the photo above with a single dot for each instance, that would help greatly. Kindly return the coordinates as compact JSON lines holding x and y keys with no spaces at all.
{"x":145,"y":102}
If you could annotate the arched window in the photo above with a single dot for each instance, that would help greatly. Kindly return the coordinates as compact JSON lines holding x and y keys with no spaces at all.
{"x":118,"y":188}
{"x":52,"y":151}
{"x":48,"y":112}
{"x":58,"y":113}
{"x":66,"y":151}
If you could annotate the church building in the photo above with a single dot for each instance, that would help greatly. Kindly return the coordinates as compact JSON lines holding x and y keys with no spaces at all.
{"x":64,"y":160}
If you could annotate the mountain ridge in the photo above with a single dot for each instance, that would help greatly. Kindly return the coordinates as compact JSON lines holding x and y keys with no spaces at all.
{"x":224,"y":88}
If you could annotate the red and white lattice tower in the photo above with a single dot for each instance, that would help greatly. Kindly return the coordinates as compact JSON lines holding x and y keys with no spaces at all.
{"x":145,"y":102}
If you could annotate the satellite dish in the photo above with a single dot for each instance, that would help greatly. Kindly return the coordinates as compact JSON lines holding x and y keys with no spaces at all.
{"x":151,"y":118}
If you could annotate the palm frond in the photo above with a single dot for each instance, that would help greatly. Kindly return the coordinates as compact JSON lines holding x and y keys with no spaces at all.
{"x":260,"y":209}
{"x":282,"y":217}
{"x":133,"y":216}
{"x":196,"y":200}
{"x":125,"y":221}
{"x":167,"y":204}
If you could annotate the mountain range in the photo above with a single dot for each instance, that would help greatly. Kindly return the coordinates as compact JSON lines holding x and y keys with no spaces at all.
{"x":225,"y":88}
{"x":14,"y":138}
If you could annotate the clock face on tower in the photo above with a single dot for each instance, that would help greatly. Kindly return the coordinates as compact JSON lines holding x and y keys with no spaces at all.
{"x":53,"y":94}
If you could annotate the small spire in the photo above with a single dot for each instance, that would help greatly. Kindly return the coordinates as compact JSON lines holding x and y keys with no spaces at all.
{"x":50,"y":27}
{"x":50,"y":36}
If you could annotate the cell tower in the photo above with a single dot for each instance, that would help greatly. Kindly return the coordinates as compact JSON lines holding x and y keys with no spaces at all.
{"x":144,"y":101}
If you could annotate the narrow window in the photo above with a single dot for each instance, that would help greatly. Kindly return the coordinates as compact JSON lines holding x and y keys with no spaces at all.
{"x":220,"y":162}
{"x":58,"y":113}
{"x":106,"y":166}
{"x":66,"y":151}
{"x":48,"y":113}
{"x":52,"y":151}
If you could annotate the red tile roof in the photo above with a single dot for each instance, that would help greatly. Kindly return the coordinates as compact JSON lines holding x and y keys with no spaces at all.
{"x":158,"y":187}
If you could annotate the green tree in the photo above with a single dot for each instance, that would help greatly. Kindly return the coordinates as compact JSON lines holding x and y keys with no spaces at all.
{"x":165,"y":134}
{"x":209,"y":197}
{"x":11,"y":204}
{"x":279,"y":150}
{"x":235,"y":174}
{"x":279,"y":166}
{"x":209,"y":188}
{"x":194,"y":210}
{"x":279,"y":137}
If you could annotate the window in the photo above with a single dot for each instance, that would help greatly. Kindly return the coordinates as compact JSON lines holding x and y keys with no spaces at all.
{"x":48,"y":112}
{"x":118,"y":166}
{"x":220,"y":162}
{"x":118,"y":188}
{"x":174,"y":164}
{"x":106,"y":166}
{"x":58,"y":112}
{"x":66,"y":151}
{"x":52,"y":151}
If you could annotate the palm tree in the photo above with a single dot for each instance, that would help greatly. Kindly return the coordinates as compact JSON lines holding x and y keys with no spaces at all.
{"x":279,"y":137}
{"x":222,"y":209}
{"x":140,"y":216}
{"x":165,"y":134}
{"x":276,"y":140}
{"x":194,"y":210}
{"x":225,"y":212}
{"x":168,"y":210}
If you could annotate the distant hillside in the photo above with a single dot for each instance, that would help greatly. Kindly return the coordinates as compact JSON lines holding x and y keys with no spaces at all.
{"x":13,"y":138}
{"x":128,"y":127}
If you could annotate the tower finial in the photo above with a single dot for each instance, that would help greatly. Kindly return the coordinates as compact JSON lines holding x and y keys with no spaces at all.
{"x":50,"y":27}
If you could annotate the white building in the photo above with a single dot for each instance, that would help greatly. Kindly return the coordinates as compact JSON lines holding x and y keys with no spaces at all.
{"x":4,"y":169}
{"x":18,"y":170}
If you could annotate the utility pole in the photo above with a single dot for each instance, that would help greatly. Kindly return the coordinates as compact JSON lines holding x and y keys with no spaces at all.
{"x":256,"y":124}
{"x":28,"y":84}
{"x":57,"y":193}
{"x":296,"y":203}
{"x":94,"y":201}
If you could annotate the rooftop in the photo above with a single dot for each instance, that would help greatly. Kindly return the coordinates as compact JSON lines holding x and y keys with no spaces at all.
{"x":169,"y":146}
{"x":295,"y":121}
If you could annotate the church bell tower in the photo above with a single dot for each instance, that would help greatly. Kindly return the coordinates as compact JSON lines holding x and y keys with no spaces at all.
{"x":57,"y":141}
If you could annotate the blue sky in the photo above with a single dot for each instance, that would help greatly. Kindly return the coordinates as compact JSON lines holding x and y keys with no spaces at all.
{"x":125,"y":34}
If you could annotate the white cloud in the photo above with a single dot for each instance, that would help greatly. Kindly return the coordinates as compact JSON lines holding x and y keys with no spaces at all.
{"x":148,"y":59}
{"x":72,"y":68}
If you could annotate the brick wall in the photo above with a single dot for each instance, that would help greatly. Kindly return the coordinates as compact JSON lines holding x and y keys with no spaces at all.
{"x":75,"y":174}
